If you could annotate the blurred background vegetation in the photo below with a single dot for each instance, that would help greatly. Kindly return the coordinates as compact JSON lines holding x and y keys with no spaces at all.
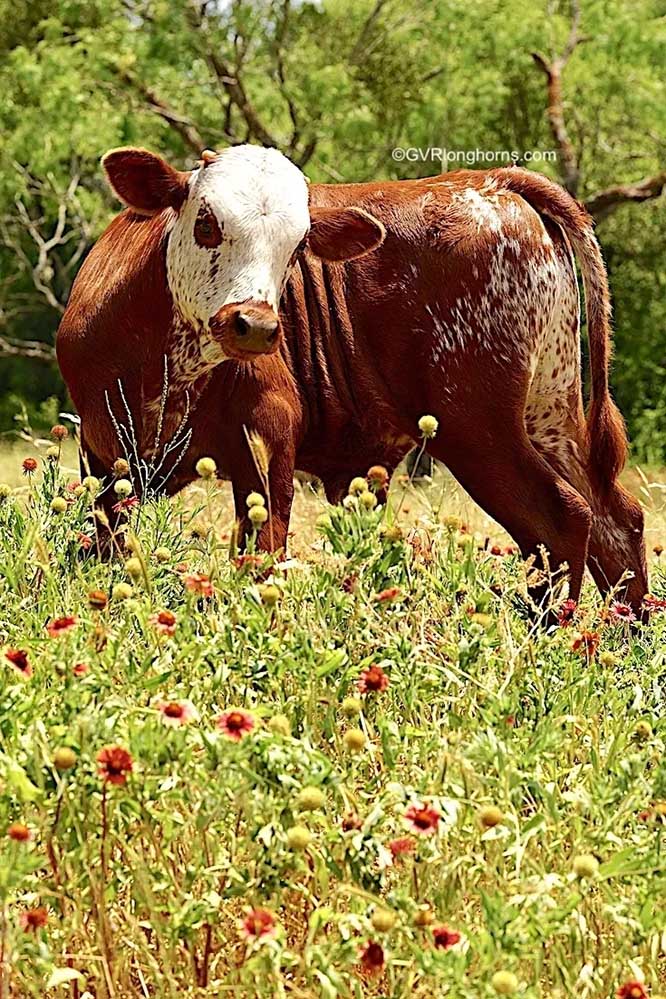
{"x":336,"y":84}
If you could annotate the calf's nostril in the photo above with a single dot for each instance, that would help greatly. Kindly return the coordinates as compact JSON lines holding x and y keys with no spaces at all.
{"x":242,"y":325}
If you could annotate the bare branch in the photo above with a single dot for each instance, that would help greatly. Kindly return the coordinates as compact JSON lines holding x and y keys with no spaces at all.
{"x":552,"y":68}
{"x":34,"y":349}
{"x":231,"y":82}
{"x":365,"y":33}
{"x":185,"y":129}
{"x":601,"y":205}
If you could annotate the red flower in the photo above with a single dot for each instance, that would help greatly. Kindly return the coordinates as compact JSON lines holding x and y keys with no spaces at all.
{"x":19,"y":832}
{"x":84,"y":540}
{"x":29,"y":466}
{"x":388,"y":596}
{"x":259,"y":923}
{"x":496,"y":550}
{"x":351,"y":821}
{"x":126,"y":504}
{"x":651,"y":603}
{"x":423,"y":819}
{"x":373,"y":680}
{"x":176,"y":713}
{"x":18,"y":658}
{"x":632,"y":990}
{"x":566,"y":613}
{"x":59,"y":432}
{"x":444,"y":937}
{"x":164,"y":622}
{"x":248,"y":561}
{"x":587,"y":643}
{"x":60,"y":625}
{"x":621,"y":612}
{"x":236,"y":723}
{"x":80,"y":669}
{"x":401,"y":846}
{"x":114,"y":763}
{"x":33,"y":919}
{"x":199,"y":583}
{"x":372,"y":958}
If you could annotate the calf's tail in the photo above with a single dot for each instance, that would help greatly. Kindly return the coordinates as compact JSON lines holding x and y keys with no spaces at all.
{"x":606,"y":433}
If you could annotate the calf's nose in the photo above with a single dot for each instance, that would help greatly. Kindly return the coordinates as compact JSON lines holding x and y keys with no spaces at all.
{"x":255,"y":332}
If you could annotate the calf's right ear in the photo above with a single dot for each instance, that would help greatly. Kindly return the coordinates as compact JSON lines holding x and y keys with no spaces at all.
{"x":144,"y":181}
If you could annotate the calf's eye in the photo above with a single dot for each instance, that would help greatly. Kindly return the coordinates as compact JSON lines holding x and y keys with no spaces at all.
{"x":207,"y":231}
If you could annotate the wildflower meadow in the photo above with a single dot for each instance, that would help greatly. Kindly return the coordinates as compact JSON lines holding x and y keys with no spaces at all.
{"x":358,"y":771}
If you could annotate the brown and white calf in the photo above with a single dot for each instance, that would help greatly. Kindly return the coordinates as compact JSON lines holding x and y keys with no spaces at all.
{"x":329,"y":318}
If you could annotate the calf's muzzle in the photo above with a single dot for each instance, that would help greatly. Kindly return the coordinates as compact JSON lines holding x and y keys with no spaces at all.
{"x":247,"y":329}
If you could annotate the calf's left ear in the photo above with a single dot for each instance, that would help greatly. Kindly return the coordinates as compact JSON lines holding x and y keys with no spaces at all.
{"x":145,"y":181}
{"x":343,"y":233}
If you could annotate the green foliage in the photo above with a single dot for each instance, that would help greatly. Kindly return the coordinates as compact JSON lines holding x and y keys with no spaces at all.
{"x":337,"y":84}
{"x":529,"y":758}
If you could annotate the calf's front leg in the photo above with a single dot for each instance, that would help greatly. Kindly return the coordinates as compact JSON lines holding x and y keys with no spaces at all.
{"x":272,"y":535}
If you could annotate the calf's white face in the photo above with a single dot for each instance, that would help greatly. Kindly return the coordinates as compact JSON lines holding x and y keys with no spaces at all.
{"x":237,"y":224}
{"x":245,"y":215}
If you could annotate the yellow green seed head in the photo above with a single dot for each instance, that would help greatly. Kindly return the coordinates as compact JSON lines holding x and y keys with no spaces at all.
{"x":258,"y":515}
{"x":205,"y":468}
{"x":383,"y":920}
{"x":122,"y":488}
{"x":585,"y":865}
{"x":490,"y":816}
{"x":91,"y":484}
{"x":64,"y":758}
{"x":280,"y":725}
{"x":162,"y":554}
{"x":354,"y":740}
{"x":255,"y":499}
{"x":310,"y":799}
{"x":299,"y":838}
{"x":133,"y":568}
{"x":59,"y":504}
{"x":368,"y":500}
{"x":505,"y":983}
{"x":428,"y":426}
{"x":122,"y":591}
{"x":357,"y":486}
{"x":351,"y":706}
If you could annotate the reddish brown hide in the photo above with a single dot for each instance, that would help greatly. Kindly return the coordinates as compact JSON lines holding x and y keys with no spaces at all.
{"x":468,"y":310}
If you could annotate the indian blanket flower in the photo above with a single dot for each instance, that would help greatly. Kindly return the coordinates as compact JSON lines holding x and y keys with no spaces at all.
{"x":19,"y":832}
{"x":587,"y":643}
{"x":199,"y":583}
{"x":443,"y":937}
{"x":176,"y":713}
{"x":373,"y":680}
{"x":566,"y":613}
{"x":33,"y":919}
{"x":18,"y":660}
{"x":164,"y":622}
{"x":80,"y":669}
{"x":372,"y":958}
{"x":258,"y":923}
{"x":29,"y":466}
{"x":621,"y":612}
{"x":401,"y":846}
{"x":423,"y":819}
{"x":632,"y":990}
{"x":388,"y":596}
{"x":651,"y":603}
{"x":114,"y":764}
{"x":126,"y":503}
{"x":59,"y":432}
{"x":236,"y":723}
{"x":59,"y":625}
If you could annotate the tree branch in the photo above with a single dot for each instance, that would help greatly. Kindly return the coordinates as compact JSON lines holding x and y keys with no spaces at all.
{"x":552,"y":69}
{"x":601,"y":205}
{"x":34,"y":349}
{"x":185,"y":129}
{"x":232,"y":84}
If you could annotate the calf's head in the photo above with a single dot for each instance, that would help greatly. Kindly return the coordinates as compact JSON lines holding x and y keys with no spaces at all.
{"x":235,"y":229}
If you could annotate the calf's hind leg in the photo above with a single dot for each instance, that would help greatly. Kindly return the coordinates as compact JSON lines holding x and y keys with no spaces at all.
{"x":510,"y":480}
